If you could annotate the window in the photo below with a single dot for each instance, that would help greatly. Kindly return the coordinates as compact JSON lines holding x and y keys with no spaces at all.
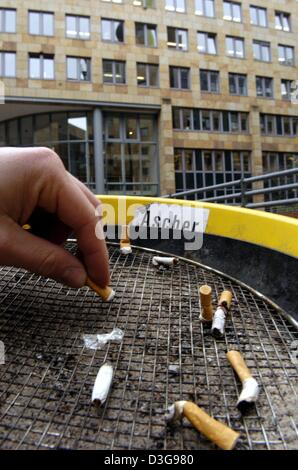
{"x":272,"y":124}
{"x":232,"y":11}
{"x":112,"y":30}
{"x":41,"y":66}
{"x":177,"y":39}
{"x":41,"y":23}
{"x":206,"y":43}
{"x":175,"y":5}
{"x":282,"y":21}
{"x":286,"y":88}
{"x":235,"y":47}
{"x":78,"y":27}
{"x":205,"y":8}
{"x":113,"y":71}
{"x":79,"y":69}
{"x":7,"y":20}
{"x":146,"y":34}
{"x":189,"y":119}
{"x":258,"y":16}
{"x":238,"y":84}
{"x":180,"y":78}
{"x":147,"y":75}
{"x":285,"y":55}
{"x":261,"y":51}
{"x":144,"y":3}
{"x":7,"y":64}
{"x":273,"y":162}
{"x":198,"y":168}
{"x":264,"y":86}
{"x":209,"y":80}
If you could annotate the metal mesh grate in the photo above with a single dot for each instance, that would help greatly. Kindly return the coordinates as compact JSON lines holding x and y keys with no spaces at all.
{"x":47,"y":380}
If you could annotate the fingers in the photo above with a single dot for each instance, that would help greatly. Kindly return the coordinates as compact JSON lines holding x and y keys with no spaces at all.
{"x":76,"y":210}
{"x":23,"y":249}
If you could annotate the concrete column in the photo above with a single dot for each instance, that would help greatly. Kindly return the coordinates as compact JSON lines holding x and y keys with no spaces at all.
{"x":98,"y":151}
{"x":256,"y":153}
{"x":166,"y":150}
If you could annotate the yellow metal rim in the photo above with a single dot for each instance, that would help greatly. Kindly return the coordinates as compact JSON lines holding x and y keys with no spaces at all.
{"x":271,"y":231}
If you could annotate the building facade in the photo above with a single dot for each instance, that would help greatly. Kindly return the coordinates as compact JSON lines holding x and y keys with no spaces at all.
{"x":152,"y":96}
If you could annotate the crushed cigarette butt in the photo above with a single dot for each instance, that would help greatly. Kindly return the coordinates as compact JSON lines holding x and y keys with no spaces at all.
{"x":164,"y":261}
{"x":102,"y":384}
{"x":107,"y":293}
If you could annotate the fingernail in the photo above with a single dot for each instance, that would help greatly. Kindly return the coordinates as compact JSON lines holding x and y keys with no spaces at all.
{"x":74,"y":277}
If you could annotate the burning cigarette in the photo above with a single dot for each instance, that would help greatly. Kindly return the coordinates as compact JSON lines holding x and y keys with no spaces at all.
{"x":164,"y":261}
{"x":125,"y":247}
{"x":107,"y":293}
{"x":219,"y":319}
{"x":223,"y":436}
{"x":206,"y":303}
{"x":250,"y":388}
{"x":102,"y":384}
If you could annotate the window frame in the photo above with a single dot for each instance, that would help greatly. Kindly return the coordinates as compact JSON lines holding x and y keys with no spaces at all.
{"x":282,"y":15}
{"x":208,"y":76}
{"x":78,"y":29}
{"x":41,"y":14}
{"x":206,"y":37}
{"x":147,"y":71}
{"x":173,"y":68}
{"x":145,"y":27}
{"x":41,"y":58}
{"x":232,"y":5}
{"x":263,"y":86}
{"x":236,"y":77}
{"x":258,"y":9}
{"x":3,"y":59}
{"x":3,"y":20}
{"x":114,"y":63}
{"x":261,"y":45}
{"x":285,"y":47}
{"x":177,"y":31}
{"x":78,"y":69}
{"x":112,"y":22}
{"x":204,"y":8}
{"x":235,"y":39}
{"x":175,"y":7}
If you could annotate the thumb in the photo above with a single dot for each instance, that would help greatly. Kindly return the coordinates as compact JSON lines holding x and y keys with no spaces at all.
{"x":22,"y":249}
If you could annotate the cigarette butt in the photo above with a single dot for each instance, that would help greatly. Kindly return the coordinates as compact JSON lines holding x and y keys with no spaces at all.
{"x":102,"y":384}
{"x":225,"y":299}
{"x":218,"y":323}
{"x":206,"y":303}
{"x":250,"y":387}
{"x":217,"y":432}
{"x":164,"y":260}
{"x":107,"y":294}
{"x":238,"y":364}
{"x":125,"y":246}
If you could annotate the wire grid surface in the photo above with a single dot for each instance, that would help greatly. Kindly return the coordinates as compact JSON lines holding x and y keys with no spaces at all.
{"x":48,"y":376}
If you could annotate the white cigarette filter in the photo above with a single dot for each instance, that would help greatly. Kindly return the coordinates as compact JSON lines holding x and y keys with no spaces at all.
{"x":107,"y":293}
{"x":250,"y":387}
{"x":218,"y":323}
{"x":125,"y":247}
{"x":217,"y":432}
{"x":102,"y":384}
{"x":164,"y":261}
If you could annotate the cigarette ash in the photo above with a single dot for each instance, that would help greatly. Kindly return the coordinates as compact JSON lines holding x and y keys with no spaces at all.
{"x":47,"y":380}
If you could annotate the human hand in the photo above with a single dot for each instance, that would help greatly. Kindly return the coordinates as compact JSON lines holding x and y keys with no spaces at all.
{"x":35,"y":188}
